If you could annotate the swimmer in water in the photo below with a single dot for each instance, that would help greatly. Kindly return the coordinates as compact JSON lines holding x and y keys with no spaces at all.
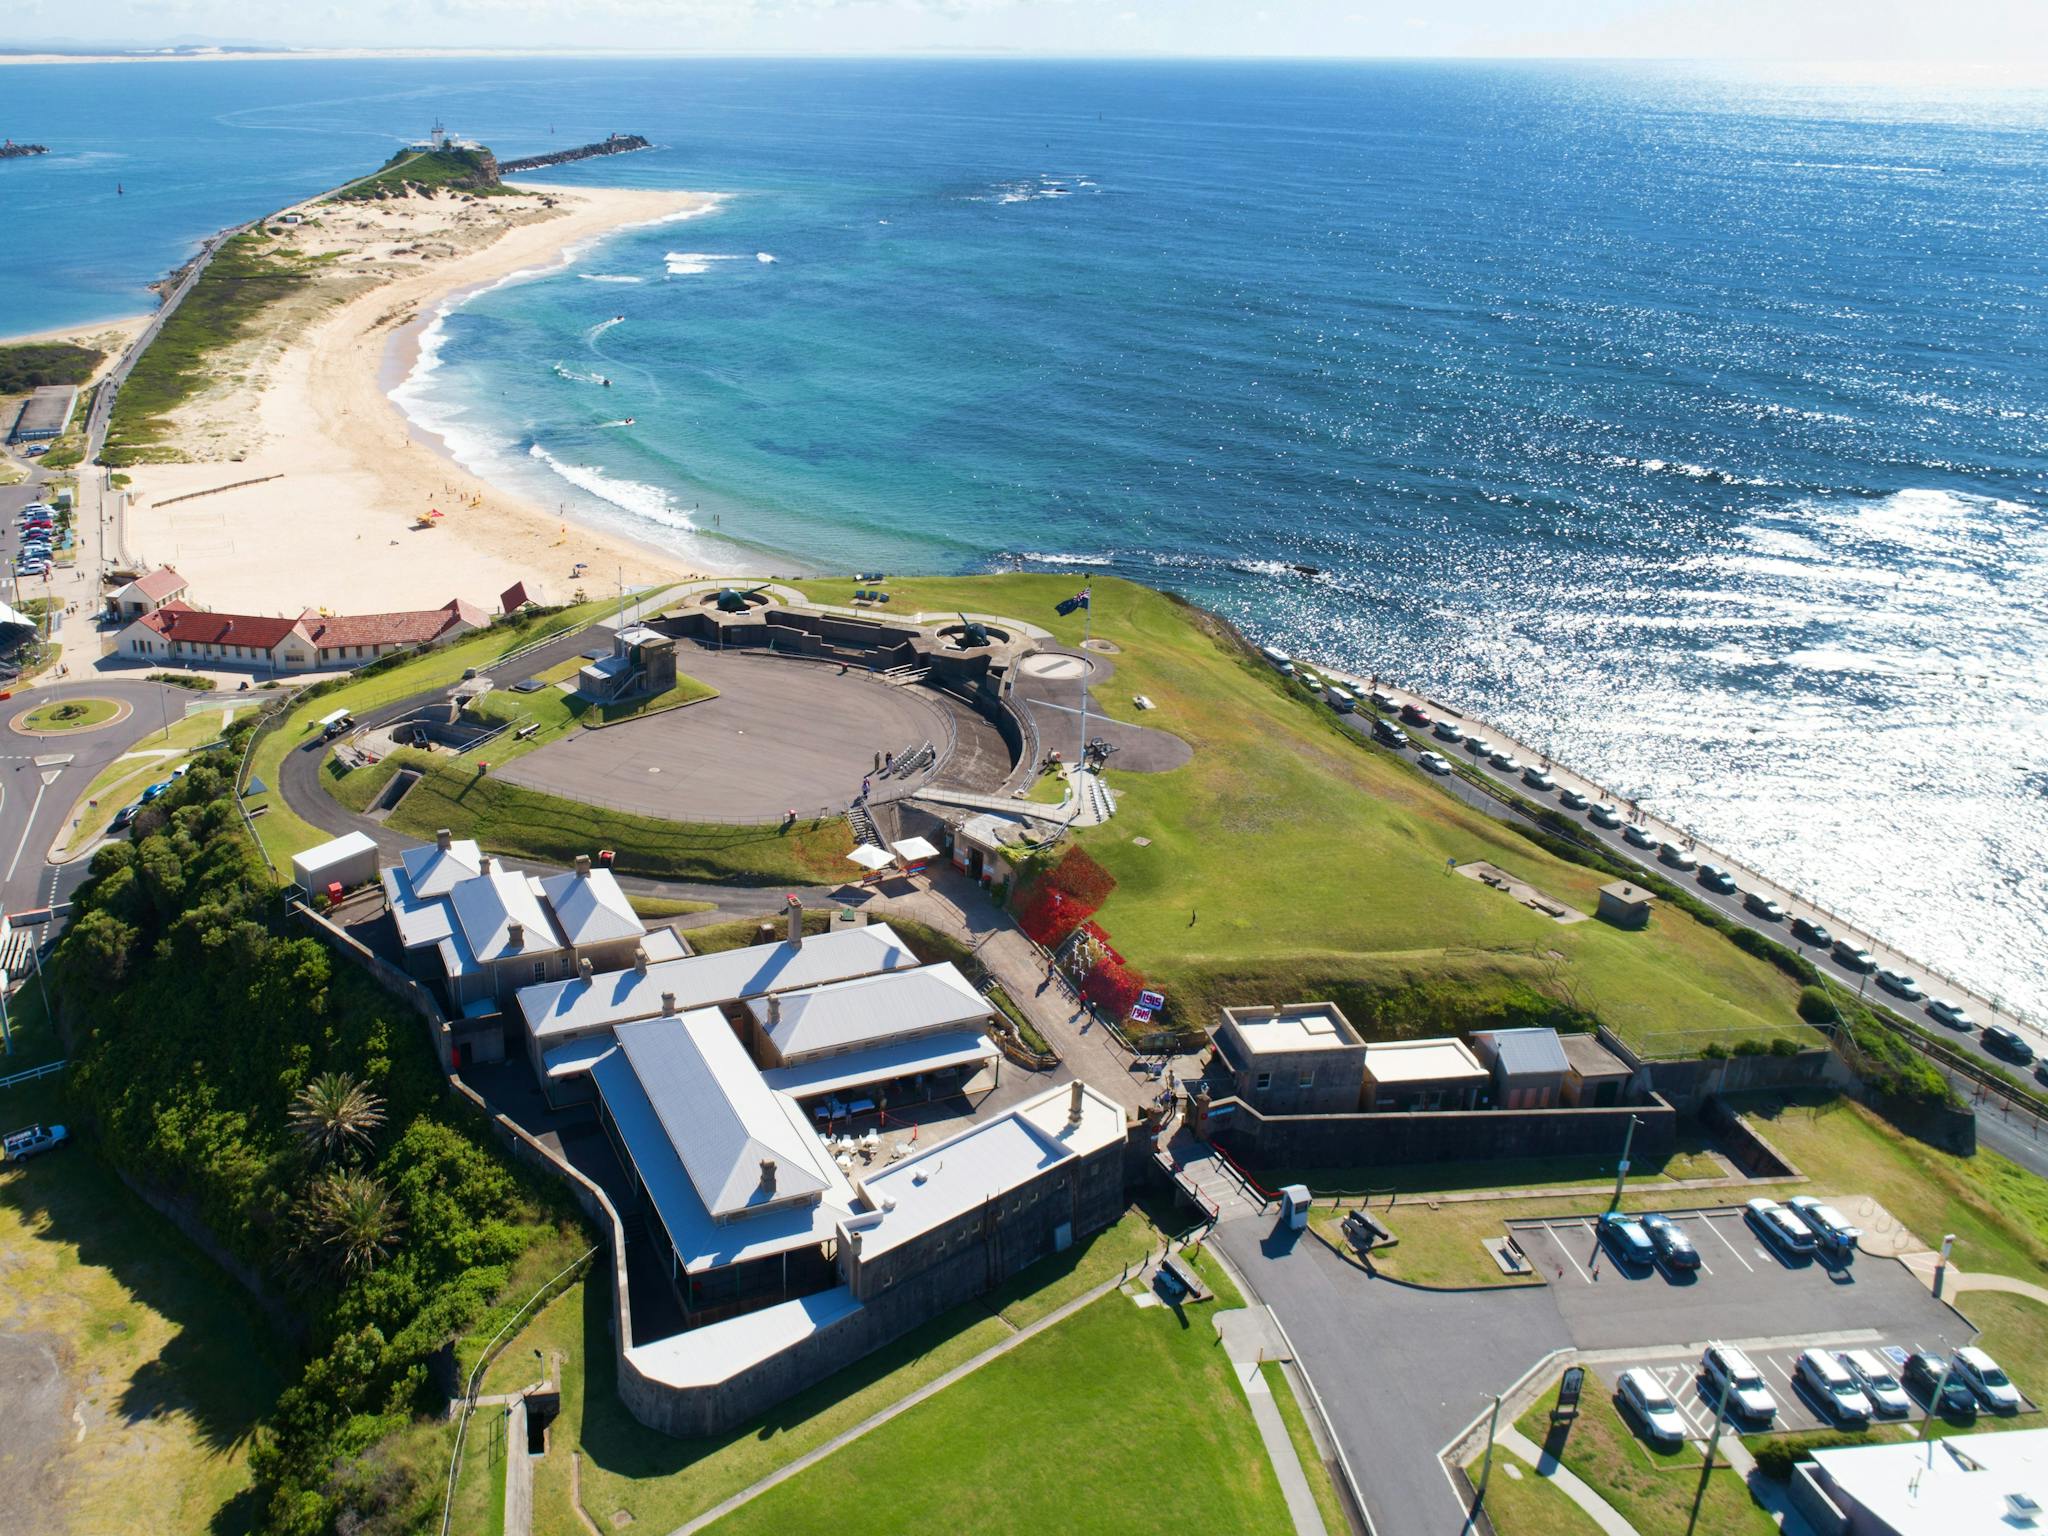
{"x":607,"y":383}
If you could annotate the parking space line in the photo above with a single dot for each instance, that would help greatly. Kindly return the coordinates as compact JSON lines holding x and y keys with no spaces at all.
{"x":1713,"y":1228}
{"x":1558,"y":1243}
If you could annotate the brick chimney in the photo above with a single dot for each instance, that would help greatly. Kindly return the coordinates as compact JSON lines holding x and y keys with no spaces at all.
{"x":1074,"y":1104}
{"x":768,"y":1175}
{"x":668,"y":1005}
{"x":586,"y":969}
{"x":796,"y":922}
{"x":515,"y":935}
{"x":444,"y":839}
{"x":486,"y":865}
{"x":582,"y":866}
{"x":640,"y":959}
{"x":774,"y":1007}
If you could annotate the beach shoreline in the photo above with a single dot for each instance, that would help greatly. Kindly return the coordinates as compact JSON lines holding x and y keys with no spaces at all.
{"x":349,"y":481}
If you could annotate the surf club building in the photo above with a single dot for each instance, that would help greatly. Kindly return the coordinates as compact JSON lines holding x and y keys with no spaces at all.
{"x":175,"y":633}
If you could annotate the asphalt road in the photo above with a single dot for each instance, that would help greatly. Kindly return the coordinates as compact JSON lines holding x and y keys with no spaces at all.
{"x":41,"y":777}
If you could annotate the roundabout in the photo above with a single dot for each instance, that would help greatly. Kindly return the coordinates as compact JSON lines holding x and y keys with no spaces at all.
{"x":74,"y":716}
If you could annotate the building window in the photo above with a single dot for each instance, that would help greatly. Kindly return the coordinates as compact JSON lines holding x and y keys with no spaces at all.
{"x":1263,"y":1081}
{"x":1306,"y":1078}
{"x":540,"y":970}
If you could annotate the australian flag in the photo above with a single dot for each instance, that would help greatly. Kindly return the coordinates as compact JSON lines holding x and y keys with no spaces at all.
{"x":1078,"y":600}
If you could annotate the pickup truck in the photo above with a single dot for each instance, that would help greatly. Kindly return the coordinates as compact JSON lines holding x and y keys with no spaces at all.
{"x":20,"y":1146}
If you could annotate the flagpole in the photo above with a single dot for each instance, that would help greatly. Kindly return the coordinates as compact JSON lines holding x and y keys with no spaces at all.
{"x":1087,"y":634}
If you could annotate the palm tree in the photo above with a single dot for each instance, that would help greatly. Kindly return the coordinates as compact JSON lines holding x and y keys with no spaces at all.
{"x":353,"y":1219}
{"x":334,"y":1113}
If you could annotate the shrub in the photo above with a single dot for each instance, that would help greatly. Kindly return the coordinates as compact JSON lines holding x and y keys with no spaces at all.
{"x":1779,"y":1454}
{"x":1816,"y":1007}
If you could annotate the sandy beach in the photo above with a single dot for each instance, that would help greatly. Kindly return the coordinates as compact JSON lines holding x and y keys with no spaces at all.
{"x":341,"y":480}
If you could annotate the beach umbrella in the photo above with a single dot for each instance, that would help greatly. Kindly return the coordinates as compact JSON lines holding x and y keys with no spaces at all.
{"x":868,"y":856}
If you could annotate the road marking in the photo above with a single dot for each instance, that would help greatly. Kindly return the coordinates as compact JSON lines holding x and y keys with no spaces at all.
{"x":27,"y":827}
{"x":1711,"y":1227}
{"x":1558,"y":1243}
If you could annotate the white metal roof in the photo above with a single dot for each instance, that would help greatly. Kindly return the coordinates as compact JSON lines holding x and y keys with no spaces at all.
{"x":703,"y":1357}
{"x":1299,"y":1027}
{"x":1913,"y":1493}
{"x":576,"y":1006}
{"x":880,"y":1064}
{"x":487,"y":907}
{"x":869,"y":1010}
{"x":724,"y":1121}
{"x":954,"y":1176}
{"x":590,"y":907}
{"x":434,"y":872}
{"x":701,"y":1243}
{"x":349,"y":845}
{"x":420,"y":921}
{"x":1422,"y":1061}
{"x":1532,"y":1050}
{"x":574,"y":1056}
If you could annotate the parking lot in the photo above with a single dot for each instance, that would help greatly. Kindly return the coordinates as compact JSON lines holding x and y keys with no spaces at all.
{"x":1742,"y":1293}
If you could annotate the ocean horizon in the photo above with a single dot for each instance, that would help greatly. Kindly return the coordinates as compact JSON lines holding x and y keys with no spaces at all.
{"x":1691,"y":424}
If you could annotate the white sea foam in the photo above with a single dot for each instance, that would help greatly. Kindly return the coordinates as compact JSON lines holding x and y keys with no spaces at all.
{"x":634,"y":496}
{"x":610,"y":277}
{"x":602,"y":326}
{"x":577,"y":378}
{"x":691,"y":263}
{"x":1034,"y":557}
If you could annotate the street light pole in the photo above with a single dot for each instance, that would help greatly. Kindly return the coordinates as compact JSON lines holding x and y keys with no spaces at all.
{"x":1621,"y":1170}
{"x":1707,"y":1463}
{"x":1486,"y":1466}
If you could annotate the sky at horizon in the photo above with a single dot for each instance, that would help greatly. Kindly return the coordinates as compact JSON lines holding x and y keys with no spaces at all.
{"x":2000,"y":35}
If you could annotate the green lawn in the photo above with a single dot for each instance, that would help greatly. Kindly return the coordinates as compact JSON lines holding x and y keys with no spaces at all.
{"x":1119,"y":1419}
{"x":165,"y":1373}
{"x":1321,"y":1476}
{"x":1651,"y":1486}
{"x":1314,"y":865}
{"x":1998,"y":1211}
{"x":1529,"y":1505}
{"x":71,"y":715}
{"x":632,"y":1474}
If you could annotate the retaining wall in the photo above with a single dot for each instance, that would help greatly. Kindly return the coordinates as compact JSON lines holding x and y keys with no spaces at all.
{"x":1340,"y":1141}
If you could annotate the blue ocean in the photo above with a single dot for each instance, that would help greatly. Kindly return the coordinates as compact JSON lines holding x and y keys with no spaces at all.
{"x":1692,"y":424}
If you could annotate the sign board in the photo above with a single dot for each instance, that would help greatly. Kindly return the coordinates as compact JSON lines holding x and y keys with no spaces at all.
{"x":1568,"y":1390}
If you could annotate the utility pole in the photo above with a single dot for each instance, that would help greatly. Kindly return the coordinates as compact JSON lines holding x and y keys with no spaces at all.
{"x":1486,"y":1466}
{"x":1621,"y":1170}
{"x":1707,"y":1463}
{"x":1933,"y":1406}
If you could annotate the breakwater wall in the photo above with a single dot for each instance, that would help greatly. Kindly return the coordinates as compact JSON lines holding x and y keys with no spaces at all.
{"x":617,"y":144}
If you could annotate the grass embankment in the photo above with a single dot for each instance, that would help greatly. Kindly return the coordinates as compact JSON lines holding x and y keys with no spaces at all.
{"x":284,"y":833}
{"x":1069,"y":1431}
{"x":27,"y":365}
{"x":151,"y":1372}
{"x":652,"y":907}
{"x":632,"y":1474}
{"x":123,"y":780}
{"x":1520,"y":1503}
{"x":249,"y":273}
{"x":1289,"y":859}
{"x":426,"y":173}
{"x":1651,"y":1486}
{"x":1688,"y":1162}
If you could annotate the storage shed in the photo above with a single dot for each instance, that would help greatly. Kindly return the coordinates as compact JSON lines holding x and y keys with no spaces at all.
{"x":1625,"y":905}
{"x":349,"y":861}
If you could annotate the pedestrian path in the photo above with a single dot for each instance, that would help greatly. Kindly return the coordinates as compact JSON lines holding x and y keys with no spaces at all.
{"x":1248,"y":1347}
{"x":1924,"y":1264}
{"x":1602,"y":1513}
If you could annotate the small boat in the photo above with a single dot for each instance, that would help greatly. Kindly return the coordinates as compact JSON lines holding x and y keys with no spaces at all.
{"x":1306,"y":570}
{"x":119,"y":190}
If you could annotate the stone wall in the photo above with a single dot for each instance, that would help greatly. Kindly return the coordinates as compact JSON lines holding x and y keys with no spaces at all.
{"x":1345,"y":1141}
{"x":1689,"y":1083}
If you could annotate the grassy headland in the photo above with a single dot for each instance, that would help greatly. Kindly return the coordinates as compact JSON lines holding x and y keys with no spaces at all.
{"x":423,"y":173}
{"x":28,"y":365}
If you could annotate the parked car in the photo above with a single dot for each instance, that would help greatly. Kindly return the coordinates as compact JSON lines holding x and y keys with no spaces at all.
{"x":1924,"y":1372}
{"x":1728,"y":1370}
{"x":2041,"y":1073}
{"x":2009,"y":1043}
{"x":1435,"y":762}
{"x":1675,"y":855}
{"x":1780,"y":1228}
{"x":1670,"y":1241}
{"x":1899,"y":984}
{"x":1812,"y":931}
{"x":1980,"y":1373}
{"x":1829,"y":1383}
{"x":1715,"y":878}
{"x":1479,"y":746}
{"x":1954,"y":1015}
{"x":1854,"y":957}
{"x":1445,"y":731}
{"x":1415,"y":714}
{"x":1873,"y":1373}
{"x":1505,"y":760}
{"x":1639,"y":836}
{"x":1383,"y":700}
{"x":156,"y":791}
{"x":1388,"y":734}
{"x":1625,"y":1235}
{"x":1605,"y":814}
{"x":1654,"y":1408}
{"x":1572,"y":800}
{"x":35,"y":1140}
{"x":1538,"y":779}
{"x":126,"y":814}
{"x":1829,"y":1226}
{"x":1764,"y":907}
